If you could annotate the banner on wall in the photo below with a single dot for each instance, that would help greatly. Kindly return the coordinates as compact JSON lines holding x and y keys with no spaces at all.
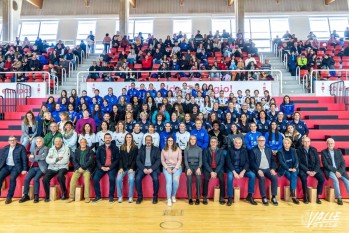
{"x":38,"y":88}
{"x":323,"y":88}
{"x":227,"y":87}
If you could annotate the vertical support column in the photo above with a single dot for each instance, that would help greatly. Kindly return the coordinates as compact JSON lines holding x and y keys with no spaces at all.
{"x":11,"y":12}
{"x":239,"y":6}
{"x":124,"y":13}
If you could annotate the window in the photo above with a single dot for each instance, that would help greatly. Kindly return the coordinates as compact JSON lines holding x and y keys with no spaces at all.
{"x":278,"y":27}
{"x":338,"y":24}
{"x":84,"y":28}
{"x":220,"y":25}
{"x":184,"y":25}
{"x":320,"y":27}
{"x":30,"y":30}
{"x":48,"y":31}
{"x":260,"y":28}
{"x":247,"y":29}
{"x":144,"y":26}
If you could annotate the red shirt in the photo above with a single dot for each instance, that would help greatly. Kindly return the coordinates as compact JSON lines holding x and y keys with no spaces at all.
{"x":108,"y":156}
{"x":147,"y":63}
{"x":213,"y":163}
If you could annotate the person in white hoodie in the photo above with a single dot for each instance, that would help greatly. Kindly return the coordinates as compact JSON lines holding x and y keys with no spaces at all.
{"x":58,"y":161}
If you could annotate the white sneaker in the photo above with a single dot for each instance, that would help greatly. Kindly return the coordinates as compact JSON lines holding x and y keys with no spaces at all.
{"x":130,"y":200}
{"x":173,"y":199}
{"x":120,"y":199}
{"x":169,"y":202}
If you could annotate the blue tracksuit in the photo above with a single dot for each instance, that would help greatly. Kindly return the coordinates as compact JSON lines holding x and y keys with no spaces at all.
{"x":105,"y":109}
{"x":142,"y":94}
{"x":263,"y":128}
{"x":189,"y":126}
{"x":287,"y":109}
{"x":152,"y":93}
{"x":202,"y":137}
{"x":219,"y":114}
{"x":99,"y":99}
{"x":282,"y":126}
{"x":163,"y":92}
{"x":301,"y":127}
{"x":55,"y":116}
{"x":251,"y":139}
{"x":127,"y":98}
{"x":129,"y":126}
{"x":163,"y":138}
{"x":159,"y":128}
{"x":273,"y":144}
{"x":272,"y":117}
{"x":112,"y":99}
{"x":144,"y":126}
{"x":175,"y":126}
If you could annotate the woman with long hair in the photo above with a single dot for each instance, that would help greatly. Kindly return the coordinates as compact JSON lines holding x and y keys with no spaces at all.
{"x":120,"y":133}
{"x":64,"y":116}
{"x":155,"y":136}
{"x":88,"y":135}
{"x":102,"y":132}
{"x":127,"y":165}
{"x":29,"y":130}
{"x":193,"y":164}
{"x":294,"y":135}
{"x":243,"y":124}
{"x":50,"y":104}
{"x":97,"y":115}
{"x":234,"y":133}
{"x":171,"y":159}
{"x":287,"y":107}
{"x":40,"y":115}
{"x":274,"y":138}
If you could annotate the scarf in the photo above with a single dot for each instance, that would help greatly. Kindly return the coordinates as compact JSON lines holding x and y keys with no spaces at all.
{"x":68,"y":134}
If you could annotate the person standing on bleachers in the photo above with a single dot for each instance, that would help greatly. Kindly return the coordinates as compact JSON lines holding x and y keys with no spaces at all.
{"x":13,"y":162}
{"x":334,"y":168}
{"x":52,"y":135}
{"x":29,"y":130}
{"x":107,"y":160}
{"x":37,"y":168}
{"x":58,"y":161}
{"x":309,"y":165}
{"x":263,"y":164}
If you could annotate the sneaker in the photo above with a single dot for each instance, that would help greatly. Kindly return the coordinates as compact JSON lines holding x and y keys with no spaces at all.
{"x":70,"y":200}
{"x":318,"y":201}
{"x":173,"y":199}
{"x":97,"y":199}
{"x":111,"y":200}
{"x":130,"y":199}
{"x":120,"y":200}
{"x":139,"y":200}
{"x":169,"y":202}
{"x":24,"y":199}
{"x":8,"y":201}
{"x":87,"y":200}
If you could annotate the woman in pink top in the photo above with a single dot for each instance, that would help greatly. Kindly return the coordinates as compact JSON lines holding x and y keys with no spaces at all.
{"x":106,"y":42}
{"x":171,"y":159}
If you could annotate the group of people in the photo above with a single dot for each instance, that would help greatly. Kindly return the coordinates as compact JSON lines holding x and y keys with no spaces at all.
{"x":141,"y":135}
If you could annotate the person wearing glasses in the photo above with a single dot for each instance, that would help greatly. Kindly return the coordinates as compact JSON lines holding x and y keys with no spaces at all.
{"x":13,"y":162}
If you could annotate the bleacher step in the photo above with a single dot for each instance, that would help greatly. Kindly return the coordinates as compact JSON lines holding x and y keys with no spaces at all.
{"x":338,"y":138}
{"x":333,"y":127}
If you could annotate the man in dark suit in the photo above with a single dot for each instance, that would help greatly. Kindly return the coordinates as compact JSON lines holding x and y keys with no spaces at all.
{"x":107,"y":160}
{"x":334,"y":168}
{"x":13,"y":161}
{"x":148,"y":163}
{"x":238,"y":166}
{"x":309,"y":165}
{"x":213,"y":167}
{"x":263,"y":164}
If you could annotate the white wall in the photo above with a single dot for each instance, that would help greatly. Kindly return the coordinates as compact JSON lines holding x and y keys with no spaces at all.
{"x":300,"y":26}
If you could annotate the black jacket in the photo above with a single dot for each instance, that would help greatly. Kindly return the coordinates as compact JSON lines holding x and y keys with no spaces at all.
{"x":328,"y":165}
{"x":19,"y":157}
{"x":101,"y":156}
{"x":282,"y":161}
{"x":89,"y":160}
{"x":230,"y":159}
{"x":207,"y":160}
{"x":155,"y":157}
{"x":255,"y":158}
{"x":128,"y":160}
{"x":310,"y":161}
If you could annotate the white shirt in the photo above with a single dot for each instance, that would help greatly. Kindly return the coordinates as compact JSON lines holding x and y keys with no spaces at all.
{"x":100,"y":137}
{"x":137,"y":138}
{"x":89,"y":138}
{"x":182,"y":139}
{"x":119,"y":138}
{"x":156,"y":138}
{"x":9,"y":160}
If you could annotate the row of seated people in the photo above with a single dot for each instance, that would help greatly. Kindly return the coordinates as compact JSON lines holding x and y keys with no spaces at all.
{"x":209,"y":159}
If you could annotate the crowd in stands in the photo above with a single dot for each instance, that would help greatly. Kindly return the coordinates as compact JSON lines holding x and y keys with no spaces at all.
{"x":313,"y":54}
{"x":179,"y":57}
{"x":38,"y":56}
{"x":142,"y":132}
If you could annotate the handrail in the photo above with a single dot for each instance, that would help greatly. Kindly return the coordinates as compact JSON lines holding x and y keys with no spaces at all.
{"x":314,"y":71}
{"x":298,"y":74}
{"x":10,"y":100}
{"x":2,"y":108}
{"x":82,"y":75}
{"x":64,"y":75}
{"x":82,"y":55}
{"x":280,"y":54}
{"x":70,"y":68}
{"x":337,"y":90}
{"x":285,"y":60}
{"x":23,"y":91}
{"x":346,"y":98}
{"x":77,"y":60}
{"x":275,"y":47}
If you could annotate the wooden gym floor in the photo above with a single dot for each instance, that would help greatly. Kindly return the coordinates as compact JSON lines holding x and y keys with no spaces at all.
{"x":103,"y":217}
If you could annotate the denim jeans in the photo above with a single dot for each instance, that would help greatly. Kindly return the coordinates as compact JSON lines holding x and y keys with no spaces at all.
{"x":131,"y":183}
{"x":35,"y":173}
{"x":335,"y":180}
{"x":251,"y":182}
{"x":25,"y":142}
{"x":172,"y":181}
{"x":292,"y":177}
{"x":98,"y":176}
{"x":12,"y":171}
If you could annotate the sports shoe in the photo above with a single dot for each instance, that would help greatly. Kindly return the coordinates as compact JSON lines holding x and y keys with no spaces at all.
{"x":169,"y":202}
{"x":120,"y":200}
{"x":173,"y":199}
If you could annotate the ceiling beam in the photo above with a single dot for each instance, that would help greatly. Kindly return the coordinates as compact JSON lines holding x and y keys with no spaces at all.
{"x":36,"y":3}
{"x":230,"y":2}
{"x":328,"y":2}
{"x":133,"y":3}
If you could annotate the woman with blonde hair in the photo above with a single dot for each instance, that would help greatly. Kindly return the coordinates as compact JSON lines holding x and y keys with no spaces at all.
{"x":119,"y":134}
{"x":171,"y":159}
{"x":64,"y":119}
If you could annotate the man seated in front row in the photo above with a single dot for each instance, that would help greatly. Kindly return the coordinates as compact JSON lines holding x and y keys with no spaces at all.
{"x":13,"y":161}
{"x":334,"y":168}
{"x":58,"y":162}
{"x":263,"y":164}
{"x":148,"y":163}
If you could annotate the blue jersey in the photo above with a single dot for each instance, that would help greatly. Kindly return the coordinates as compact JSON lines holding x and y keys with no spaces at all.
{"x":55,"y":116}
{"x":97,"y":119}
{"x":99,"y":99}
{"x":63,"y":107}
{"x":152,"y":93}
{"x":282,"y":126}
{"x":175,"y":126}
{"x":206,"y":125}
{"x":142,"y":94}
{"x":189,"y":126}
{"x":272,"y":117}
{"x":248,"y":115}
{"x":159,"y":128}
{"x":163,"y":138}
{"x":127,"y":98}
{"x":163,"y":92}
{"x":202,"y":138}
{"x":72,"y":115}
{"x":251,"y":139}
{"x":287,"y":109}
{"x":273,"y":144}
{"x":112,"y":99}
{"x":144,"y":126}
{"x":130,"y":126}
{"x":263,"y":127}
{"x":219,"y":114}
{"x":301,"y":127}
{"x":105,"y":109}
{"x":234,"y":114}
{"x":132,"y":92}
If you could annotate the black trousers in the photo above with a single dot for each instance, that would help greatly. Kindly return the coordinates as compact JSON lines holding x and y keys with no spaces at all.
{"x":60,"y":177}
{"x":190,"y":184}
{"x":207,"y":176}
{"x":320,"y":185}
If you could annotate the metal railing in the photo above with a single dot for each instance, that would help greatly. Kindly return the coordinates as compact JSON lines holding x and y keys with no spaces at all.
{"x":23,"y":91}
{"x":337,"y":90}
{"x":10,"y":100}
{"x":346,"y":98}
{"x":275,"y":49}
{"x":83,"y":75}
{"x":339,"y":73}
{"x":285,"y":60}
{"x":2,"y":106}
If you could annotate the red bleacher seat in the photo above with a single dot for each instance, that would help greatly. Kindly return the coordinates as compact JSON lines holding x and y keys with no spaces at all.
{"x":113,"y":50}
{"x":138,"y":66}
{"x":320,"y":53}
{"x":156,"y":66}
